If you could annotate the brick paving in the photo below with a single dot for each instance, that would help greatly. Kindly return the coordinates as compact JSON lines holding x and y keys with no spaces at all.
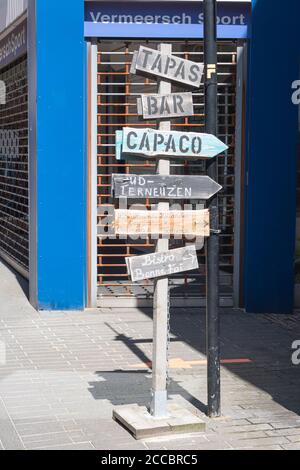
{"x":64,"y":372}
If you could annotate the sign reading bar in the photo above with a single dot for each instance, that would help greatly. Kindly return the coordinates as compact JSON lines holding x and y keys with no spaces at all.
{"x":158,"y":222}
{"x":167,"y":66}
{"x":166,"y":106}
{"x":151,"y":143}
{"x":162,"y":264}
{"x":163,"y":187}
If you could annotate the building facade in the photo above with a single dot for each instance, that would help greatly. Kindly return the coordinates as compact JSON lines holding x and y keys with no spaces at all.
{"x":68,"y":88}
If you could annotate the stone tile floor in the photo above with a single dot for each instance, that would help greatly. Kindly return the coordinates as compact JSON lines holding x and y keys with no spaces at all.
{"x":62,"y":373}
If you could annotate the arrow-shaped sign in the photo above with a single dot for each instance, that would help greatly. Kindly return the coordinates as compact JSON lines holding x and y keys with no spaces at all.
{"x":151,"y":143}
{"x":169,"y":66}
{"x":162,"y":264}
{"x":164,"y":187}
{"x":194,"y":223}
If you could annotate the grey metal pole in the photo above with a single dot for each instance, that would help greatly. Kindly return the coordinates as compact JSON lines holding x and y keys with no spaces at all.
{"x":212,"y":315}
{"x":161,"y":291}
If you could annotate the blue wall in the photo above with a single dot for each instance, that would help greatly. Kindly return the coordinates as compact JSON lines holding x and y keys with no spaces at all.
{"x":272,"y":154}
{"x":60,"y":252}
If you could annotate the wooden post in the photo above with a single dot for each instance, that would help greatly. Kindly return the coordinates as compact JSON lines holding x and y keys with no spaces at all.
{"x":161,"y":291}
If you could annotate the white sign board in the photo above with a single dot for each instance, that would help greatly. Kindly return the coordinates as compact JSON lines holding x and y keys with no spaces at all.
{"x":162,"y":264}
{"x":151,"y":143}
{"x":166,"y":106}
{"x":168,"y":66}
{"x":194,"y":223}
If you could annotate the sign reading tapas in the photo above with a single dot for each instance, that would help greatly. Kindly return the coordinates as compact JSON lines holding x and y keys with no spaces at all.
{"x":162,"y":264}
{"x":152,"y":143}
{"x":164,"y":187}
{"x":169,"y":66}
{"x":166,"y":106}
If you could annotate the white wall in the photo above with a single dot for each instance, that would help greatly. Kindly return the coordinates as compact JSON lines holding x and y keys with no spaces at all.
{"x":10,"y":10}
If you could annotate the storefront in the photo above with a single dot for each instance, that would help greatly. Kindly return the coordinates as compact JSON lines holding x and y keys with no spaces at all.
{"x":14,"y":191}
{"x":81,"y":92}
{"x":113,"y":105}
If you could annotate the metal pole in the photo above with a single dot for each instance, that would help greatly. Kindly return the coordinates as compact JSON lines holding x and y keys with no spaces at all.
{"x":158,"y":407}
{"x":212,"y":314}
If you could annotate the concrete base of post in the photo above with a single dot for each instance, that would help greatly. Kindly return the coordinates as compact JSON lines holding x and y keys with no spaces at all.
{"x":141,"y":424}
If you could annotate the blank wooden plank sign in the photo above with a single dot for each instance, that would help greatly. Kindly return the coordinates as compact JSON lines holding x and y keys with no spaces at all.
{"x":164,"y":187}
{"x":151,"y":143}
{"x":165,"y":106}
{"x":168,"y":66}
{"x":178,"y":222}
{"x":162,"y":264}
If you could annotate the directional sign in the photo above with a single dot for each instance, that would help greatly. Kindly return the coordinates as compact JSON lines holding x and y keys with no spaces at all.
{"x":158,"y":222}
{"x":151,"y":143}
{"x":166,"y":106}
{"x":168,"y":66}
{"x":162,"y":264}
{"x":163,"y":187}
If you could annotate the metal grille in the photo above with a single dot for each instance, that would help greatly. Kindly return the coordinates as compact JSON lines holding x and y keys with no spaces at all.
{"x":14,"y":165}
{"x":117,"y":94}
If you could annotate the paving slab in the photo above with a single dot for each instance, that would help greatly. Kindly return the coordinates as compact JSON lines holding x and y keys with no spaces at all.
{"x":65,"y":372}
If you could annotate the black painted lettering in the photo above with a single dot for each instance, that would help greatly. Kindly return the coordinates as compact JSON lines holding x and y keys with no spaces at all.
{"x":130,"y":145}
{"x":194,"y":73}
{"x":196,"y":145}
{"x":180,"y":72}
{"x":147,"y":54}
{"x":181,"y":144}
{"x":158,"y":140}
{"x":152,"y":105}
{"x":170,"y":64}
{"x":145,"y":142}
{"x":178,"y":100}
{"x":170,"y":144}
{"x":157,"y":64}
{"x":165,"y":109}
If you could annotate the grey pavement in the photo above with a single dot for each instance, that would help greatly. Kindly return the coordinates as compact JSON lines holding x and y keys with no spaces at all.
{"x":62,"y":373}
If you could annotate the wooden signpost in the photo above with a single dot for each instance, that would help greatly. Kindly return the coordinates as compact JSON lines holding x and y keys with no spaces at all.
{"x":162,"y":264}
{"x":168,"y":66}
{"x":165,"y":106}
{"x":193,"y":223}
{"x":151,"y":143}
{"x":163,"y":144}
{"x":164,"y":187}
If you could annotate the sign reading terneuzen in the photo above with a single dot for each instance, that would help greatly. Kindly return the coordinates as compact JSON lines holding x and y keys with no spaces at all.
{"x":167,"y":66}
{"x":162,"y":264}
{"x":164,"y":187}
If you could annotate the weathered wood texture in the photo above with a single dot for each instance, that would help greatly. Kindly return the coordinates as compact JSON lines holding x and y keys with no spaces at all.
{"x":160,"y":222}
{"x":162,"y":264}
{"x":164,"y":187}
{"x":167,"y":66}
{"x":165,"y":106}
{"x":151,"y":143}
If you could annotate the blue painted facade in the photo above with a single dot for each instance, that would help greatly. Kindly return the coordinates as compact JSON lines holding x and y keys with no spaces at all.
{"x":272,"y":149}
{"x":58,"y":268}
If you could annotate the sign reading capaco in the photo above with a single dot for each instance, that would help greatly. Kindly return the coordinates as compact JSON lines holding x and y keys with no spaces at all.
{"x":152,"y":143}
{"x":162,"y":264}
